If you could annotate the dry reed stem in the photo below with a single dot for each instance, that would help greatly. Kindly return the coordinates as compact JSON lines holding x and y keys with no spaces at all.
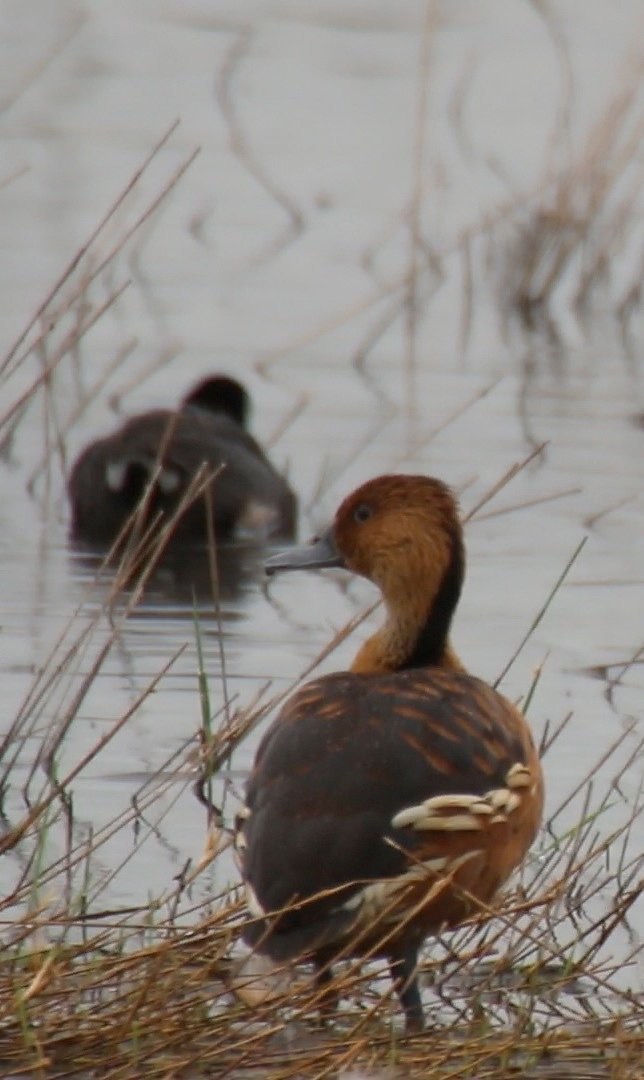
{"x":415,"y":215}
{"x":577,"y":226}
{"x":81,"y":253}
{"x":241,"y":147}
{"x":571,"y":224}
{"x":49,"y":340}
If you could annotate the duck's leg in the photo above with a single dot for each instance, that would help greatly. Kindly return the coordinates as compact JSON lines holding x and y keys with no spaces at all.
{"x":325,"y":987}
{"x":405,"y":980}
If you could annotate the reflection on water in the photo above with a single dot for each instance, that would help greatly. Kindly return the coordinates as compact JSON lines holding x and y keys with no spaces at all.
{"x":184,"y":578}
{"x":284,"y":255}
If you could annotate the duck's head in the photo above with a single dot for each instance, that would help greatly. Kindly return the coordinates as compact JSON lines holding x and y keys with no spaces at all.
{"x":221,"y":394}
{"x":394,"y":530}
{"x":404,"y":534}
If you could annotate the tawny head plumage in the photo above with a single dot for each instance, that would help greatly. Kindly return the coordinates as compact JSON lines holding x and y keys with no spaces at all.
{"x":403,"y":533}
{"x":394,"y":528}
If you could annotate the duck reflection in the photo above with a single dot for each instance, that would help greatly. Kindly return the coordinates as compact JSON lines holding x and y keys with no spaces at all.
{"x":187,"y":576}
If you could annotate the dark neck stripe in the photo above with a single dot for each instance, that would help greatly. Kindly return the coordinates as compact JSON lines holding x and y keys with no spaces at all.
{"x":431,"y":641}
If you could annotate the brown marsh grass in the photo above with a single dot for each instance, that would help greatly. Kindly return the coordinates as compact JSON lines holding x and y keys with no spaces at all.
{"x":562,"y":246}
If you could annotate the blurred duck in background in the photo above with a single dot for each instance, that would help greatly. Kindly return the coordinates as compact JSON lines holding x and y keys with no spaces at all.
{"x":200,"y":455}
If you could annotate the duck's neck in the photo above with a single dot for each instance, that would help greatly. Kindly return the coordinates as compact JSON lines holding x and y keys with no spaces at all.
{"x":416,"y":631}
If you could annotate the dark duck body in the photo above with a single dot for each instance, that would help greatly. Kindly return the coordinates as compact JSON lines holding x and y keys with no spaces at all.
{"x":154,"y":458}
{"x":389,"y":801}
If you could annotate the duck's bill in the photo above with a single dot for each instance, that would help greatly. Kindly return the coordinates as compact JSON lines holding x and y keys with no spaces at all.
{"x":319,"y":554}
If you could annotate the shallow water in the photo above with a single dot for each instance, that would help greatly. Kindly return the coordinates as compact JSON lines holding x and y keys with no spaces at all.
{"x":278,"y":257}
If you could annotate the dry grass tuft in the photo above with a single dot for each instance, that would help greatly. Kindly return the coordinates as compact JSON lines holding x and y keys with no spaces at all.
{"x":156,"y":991}
{"x":562,"y":247}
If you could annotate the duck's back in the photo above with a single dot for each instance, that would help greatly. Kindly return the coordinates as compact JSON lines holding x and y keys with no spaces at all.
{"x":108,"y":480}
{"x":365,"y":778}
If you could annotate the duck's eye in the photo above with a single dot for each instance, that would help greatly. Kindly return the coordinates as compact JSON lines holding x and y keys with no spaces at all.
{"x":362,"y":513}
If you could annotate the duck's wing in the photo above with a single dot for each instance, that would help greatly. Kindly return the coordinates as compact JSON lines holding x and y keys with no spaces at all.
{"x":367,"y":785}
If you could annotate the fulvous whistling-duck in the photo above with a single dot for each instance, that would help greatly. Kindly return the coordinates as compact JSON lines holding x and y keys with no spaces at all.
{"x":169,"y":448}
{"x":386,"y":801}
